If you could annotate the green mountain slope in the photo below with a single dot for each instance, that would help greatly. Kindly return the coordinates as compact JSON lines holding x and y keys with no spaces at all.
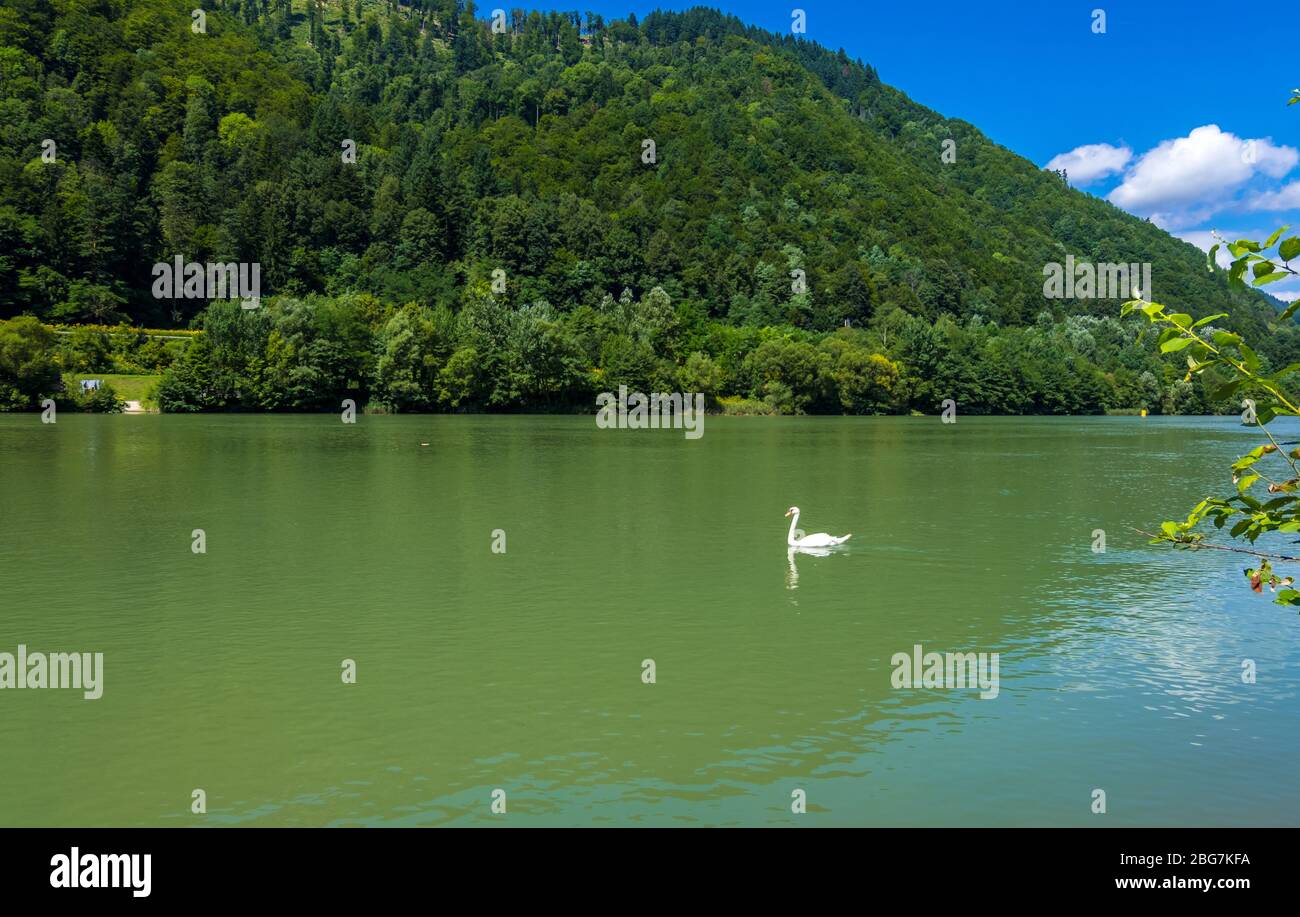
{"x":789,"y":189}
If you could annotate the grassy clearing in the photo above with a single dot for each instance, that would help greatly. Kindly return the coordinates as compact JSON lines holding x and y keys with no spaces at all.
{"x":128,"y":388}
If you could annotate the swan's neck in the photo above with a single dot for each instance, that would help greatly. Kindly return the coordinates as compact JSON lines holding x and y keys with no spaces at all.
{"x":794,"y":522}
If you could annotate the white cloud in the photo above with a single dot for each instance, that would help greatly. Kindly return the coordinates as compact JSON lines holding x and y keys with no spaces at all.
{"x":1287,"y":295}
{"x":1285,"y":198}
{"x":1085,"y":164}
{"x":1185,"y":180}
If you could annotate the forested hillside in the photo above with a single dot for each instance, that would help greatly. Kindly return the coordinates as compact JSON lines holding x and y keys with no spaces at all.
{"x":786,"y":193}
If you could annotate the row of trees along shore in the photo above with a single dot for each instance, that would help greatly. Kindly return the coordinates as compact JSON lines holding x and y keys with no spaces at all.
{"x":310,"y":353}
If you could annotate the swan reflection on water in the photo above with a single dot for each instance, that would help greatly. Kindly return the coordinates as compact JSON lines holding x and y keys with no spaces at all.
{"x":792,"y":578}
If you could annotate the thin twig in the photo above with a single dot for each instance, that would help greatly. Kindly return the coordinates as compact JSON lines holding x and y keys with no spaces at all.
{"x":1193,"y":545}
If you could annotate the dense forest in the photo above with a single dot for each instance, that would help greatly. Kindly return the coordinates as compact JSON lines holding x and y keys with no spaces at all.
{"x":453,"y":217}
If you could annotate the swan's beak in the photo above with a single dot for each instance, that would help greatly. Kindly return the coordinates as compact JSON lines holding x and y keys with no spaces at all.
{"x":787,"y":515}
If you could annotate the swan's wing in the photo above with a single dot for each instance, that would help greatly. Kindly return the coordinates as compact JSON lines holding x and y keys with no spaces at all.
{"x":822,"y":540}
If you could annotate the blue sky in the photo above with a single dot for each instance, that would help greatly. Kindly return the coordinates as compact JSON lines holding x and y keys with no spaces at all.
{"x":1157,"y":114}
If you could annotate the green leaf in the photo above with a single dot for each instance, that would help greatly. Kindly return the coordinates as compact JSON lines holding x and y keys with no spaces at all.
{"x":1242,"y":246}
{"x":1210,"y":318}
{"x":1224,"y":338}
{"x":1250,"y":458}
{"x":1277,"y":234}
{"x":1289,"y":248}
{"x":1271,"y":278}
{"x":1227,"y":390}
{"x":1287,"y":596}
{"x":1175,"y":344}
{"x":1181,"y":319}
{"x":1262,"y":267}
{"x":1251,"y":361}
{"x":1209,"y":258}
{"x":1245,"y":482}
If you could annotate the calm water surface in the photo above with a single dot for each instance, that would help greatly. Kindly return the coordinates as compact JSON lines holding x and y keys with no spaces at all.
{"x":522,"y":670}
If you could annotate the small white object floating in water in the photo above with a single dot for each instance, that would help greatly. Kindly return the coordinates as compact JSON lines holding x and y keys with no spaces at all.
{"x":818,"y":540}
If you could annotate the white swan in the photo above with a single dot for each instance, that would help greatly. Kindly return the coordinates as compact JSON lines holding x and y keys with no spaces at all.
{"x":819,"y":540}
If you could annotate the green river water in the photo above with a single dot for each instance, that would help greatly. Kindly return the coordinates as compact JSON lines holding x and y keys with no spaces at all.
{"x":522,"y":670}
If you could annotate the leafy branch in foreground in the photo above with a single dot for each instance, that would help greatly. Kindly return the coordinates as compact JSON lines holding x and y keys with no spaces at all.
{"x":1246,"y":516}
